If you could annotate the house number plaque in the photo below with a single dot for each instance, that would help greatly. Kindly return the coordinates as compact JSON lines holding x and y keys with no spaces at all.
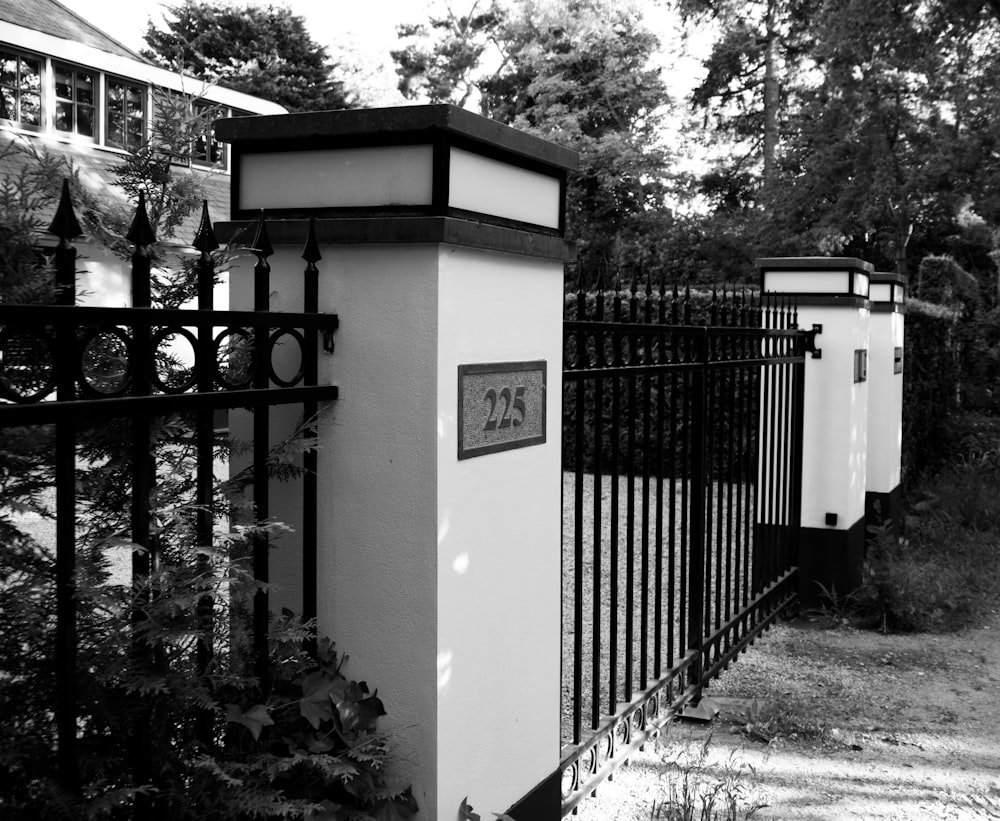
{"x":501,"y":406}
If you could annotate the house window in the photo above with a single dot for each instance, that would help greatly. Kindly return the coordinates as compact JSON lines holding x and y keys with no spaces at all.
{"x":126,"y":114}
{"x":75,"y":100}
{"x":205,"y":148}
{"x":20,"y":89}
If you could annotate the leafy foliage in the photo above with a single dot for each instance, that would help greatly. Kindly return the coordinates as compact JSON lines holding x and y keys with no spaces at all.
{"x":579,"y":74}
{"x":265,"y":51}
{"x":162,"y":642}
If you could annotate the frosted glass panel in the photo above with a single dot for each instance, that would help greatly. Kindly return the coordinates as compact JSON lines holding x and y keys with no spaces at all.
{"x":337,"y":178}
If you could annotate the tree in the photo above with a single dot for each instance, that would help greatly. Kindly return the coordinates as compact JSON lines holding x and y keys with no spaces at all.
{"x":745,"y":91}
{"x":261,"y":50}
{"x":579,"y":74}
{"x":442,"y":58}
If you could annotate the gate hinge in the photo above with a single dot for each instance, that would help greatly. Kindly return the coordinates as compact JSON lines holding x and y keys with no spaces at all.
{"x":811,"y":341}
{"x":329,"y":332}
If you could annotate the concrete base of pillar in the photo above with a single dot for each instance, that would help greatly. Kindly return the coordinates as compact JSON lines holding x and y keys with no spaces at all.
{"x":831,"y":558}
{"x":544,"y":803}
{"x":885,"y":508}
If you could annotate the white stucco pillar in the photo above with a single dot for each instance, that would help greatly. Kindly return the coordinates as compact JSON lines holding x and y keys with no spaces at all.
{"x":441,"y":236}
{"x":883,"y":500}
{"x":831,"y":292}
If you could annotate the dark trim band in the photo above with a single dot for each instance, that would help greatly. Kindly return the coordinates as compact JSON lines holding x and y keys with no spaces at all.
{"x":408,"y":230}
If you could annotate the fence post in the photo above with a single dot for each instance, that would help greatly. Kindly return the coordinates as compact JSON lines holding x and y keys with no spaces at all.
{"x":439,"y":567}
{"x":832,"y":294}
{"x":883,"y":500}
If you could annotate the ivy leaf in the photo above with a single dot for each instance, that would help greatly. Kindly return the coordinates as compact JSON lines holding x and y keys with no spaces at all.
{"x":317,"y":694}
{"x":328,"y":812}
{"x":401,"y":807}
{"x":360,"y":715}
{"x":254,"y":719}
{"x":465,"y":812}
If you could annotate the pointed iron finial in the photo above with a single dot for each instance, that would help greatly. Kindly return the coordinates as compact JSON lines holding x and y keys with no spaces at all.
{"x":64,"y":223}
{"x":261,"y":244}
{"x":311,"y":252}
{"x":599,"y":285}
{"x":649,"y":287}
{"x":205,"y":240}
{"x":633,"y":288}
{"x":141,"y":233}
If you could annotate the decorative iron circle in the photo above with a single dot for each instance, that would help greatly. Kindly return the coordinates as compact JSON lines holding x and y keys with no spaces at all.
{"x":27,"y":365}
{"x":638,"y":720}
{"x":106,"y":366}
{"x":233,"y":353}
{"x":570,"y":346}
{"x":606,"y":749}
{"x":164,"y":374}
{"x":273,"y":343}
{"x":592,"y":352}
{"x":625,"y":350}
{"x":570,"y":780}
{"x":623,"y":733}
{"x":588,"y":761}
{"x":608,"y":354}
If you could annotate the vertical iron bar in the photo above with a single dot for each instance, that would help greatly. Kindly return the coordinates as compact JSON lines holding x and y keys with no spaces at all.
{"x":798,"y":424}
{"x":708,"y":488}
{"x":731,"y":393}
{"x":581,"y":343}
{"x":696,"y":623}
{"x":675,"y":623}
{"x":774,"y":482}
{"x":630,"y":514}
{"x":205,"y":242}
{"x":782,"y":445}
{"x":686,"y":444}
{"x":647,"y":341}
{"x":788,"y":435}
{"x":66,"y":228}
{"x":310,"y":457}
{"x":143,"y":482}
{"x":261,"y":445}
{"x":598,"y":587}
{"x":615,"y":512}
{"x":661,"y":401}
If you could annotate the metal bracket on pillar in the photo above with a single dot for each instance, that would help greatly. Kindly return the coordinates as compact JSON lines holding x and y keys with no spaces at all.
{"x":811,"y":341}
{"x":328,"y":335}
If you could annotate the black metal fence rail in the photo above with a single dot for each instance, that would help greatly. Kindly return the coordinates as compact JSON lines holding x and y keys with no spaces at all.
{"x":66,"y":366}
{"x":682,"y":451}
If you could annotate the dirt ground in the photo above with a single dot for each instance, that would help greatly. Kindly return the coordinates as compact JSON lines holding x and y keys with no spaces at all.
{"x":821,"y":721}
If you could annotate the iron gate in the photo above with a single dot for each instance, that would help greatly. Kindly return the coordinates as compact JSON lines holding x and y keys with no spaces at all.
{"x":682,"y":436}
{"x":64,"y":368}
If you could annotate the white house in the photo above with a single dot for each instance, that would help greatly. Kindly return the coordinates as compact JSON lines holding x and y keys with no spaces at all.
{"x":66,"y":84}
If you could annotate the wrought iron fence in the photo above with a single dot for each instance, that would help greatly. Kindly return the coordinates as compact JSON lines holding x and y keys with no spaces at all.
{"x":682,"y":457}
{"x":64,"y":367}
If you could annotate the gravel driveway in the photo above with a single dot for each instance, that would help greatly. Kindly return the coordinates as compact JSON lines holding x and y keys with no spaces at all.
{"x":827,"y":722}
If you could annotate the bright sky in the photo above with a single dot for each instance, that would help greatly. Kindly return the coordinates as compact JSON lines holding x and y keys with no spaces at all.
{"x":358,"y":33}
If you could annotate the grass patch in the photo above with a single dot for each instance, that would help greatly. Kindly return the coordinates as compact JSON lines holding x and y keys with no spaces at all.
{"x":945,"y":574}
{"x":697,"y":789}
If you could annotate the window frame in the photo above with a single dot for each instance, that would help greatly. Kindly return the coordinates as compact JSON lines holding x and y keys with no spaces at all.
{"x":19,"y":91}
{"x":75,"y":104}
{"x":127,"y":84}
